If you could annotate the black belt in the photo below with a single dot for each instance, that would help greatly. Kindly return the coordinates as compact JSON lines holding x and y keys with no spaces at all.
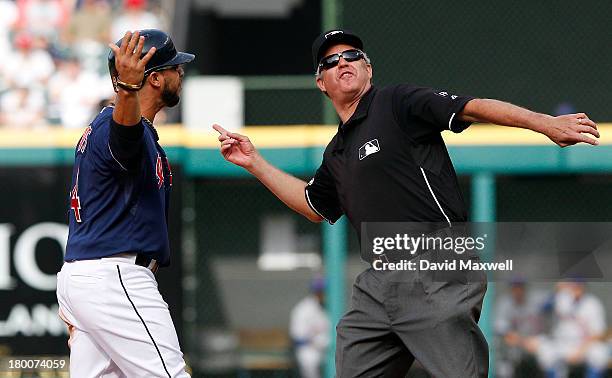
{"x":147,"y":262}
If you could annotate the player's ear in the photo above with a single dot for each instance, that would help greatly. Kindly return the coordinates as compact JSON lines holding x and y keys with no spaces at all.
{"x":155,"y":79}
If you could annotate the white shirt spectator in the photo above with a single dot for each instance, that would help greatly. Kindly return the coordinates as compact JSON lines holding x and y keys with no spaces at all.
{"x":28,"y":67}
{"x":22,"y":108}
{"x":578,"y":319}
{"x":8,"y":18}
{"x":44,"y":18}
{"x":74,"y":95}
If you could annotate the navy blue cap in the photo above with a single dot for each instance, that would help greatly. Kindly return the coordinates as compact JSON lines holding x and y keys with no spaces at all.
{"x":165,"y":52}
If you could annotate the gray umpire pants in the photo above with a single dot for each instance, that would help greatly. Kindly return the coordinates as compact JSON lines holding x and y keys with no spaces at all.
{"x":399,"y":316}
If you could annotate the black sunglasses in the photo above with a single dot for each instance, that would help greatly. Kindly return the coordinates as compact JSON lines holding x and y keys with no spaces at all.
{"x":333,"y":59}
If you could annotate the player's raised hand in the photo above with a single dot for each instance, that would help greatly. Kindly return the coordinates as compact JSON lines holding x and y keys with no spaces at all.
{"x":236,"y":148}
{"x":569,"y":129}
{"x":128,"y":62}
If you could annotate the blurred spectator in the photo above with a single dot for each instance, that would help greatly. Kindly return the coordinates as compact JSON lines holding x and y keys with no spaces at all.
{"x":133,"y":17}
{"x":577,"y":336}
{"x":74,"y":94}
{"x":43,"y":18}
{"x":22,"y":107}
{"x":8,"y":20}
{"x":88,"y":33}
{"x":28,"y":66}
{"x":90,"y":22}
{"x":309,"y":329}
{"x":44,"y":32}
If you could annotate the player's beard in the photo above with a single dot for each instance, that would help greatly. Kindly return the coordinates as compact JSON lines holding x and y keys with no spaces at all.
{"x":170,"y":97}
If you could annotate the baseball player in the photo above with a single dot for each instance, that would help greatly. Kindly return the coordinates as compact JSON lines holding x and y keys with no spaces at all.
{"x":388,"y":163}
{"x":309,"y":330}
{"x":578,"y":335}
{"x":118,"y":236}
{"x":518,"y":316}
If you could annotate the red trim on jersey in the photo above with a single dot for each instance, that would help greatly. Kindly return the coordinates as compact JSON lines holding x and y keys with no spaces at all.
{"x":83,"y":142}
{"x":159,"y":171}
{"x":75,"y":201}
{"x":169,"y":171}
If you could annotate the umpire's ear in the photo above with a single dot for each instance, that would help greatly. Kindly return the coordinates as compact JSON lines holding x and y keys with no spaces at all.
{"x":321,"y":84}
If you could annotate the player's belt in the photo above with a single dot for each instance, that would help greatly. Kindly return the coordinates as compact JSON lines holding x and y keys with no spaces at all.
{"x":147,"y":262}
{"x":137,"y":259}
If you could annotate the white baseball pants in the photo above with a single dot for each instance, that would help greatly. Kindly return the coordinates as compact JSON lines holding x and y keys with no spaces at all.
{"x":121,"y":324}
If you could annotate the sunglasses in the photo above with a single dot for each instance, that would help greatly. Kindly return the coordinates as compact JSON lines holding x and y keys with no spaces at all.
{"x":333,"y":59}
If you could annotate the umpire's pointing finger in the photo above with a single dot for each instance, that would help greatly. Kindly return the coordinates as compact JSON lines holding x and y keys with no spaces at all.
{"x":219,"y":129}
{"x":228,"y":134}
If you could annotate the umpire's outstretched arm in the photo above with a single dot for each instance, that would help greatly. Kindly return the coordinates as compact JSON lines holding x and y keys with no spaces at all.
{"x":564,"y":130}
{"x":239,"y":150}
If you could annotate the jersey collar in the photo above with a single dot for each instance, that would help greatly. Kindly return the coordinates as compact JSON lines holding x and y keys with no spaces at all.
{"x":362,"y":109}
{"x":145,"y":119}
{"x":151,"y":127}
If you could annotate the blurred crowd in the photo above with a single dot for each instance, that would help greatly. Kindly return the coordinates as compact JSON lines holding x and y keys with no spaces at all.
{"x":53,"y":68}
{"x":552,"y":334}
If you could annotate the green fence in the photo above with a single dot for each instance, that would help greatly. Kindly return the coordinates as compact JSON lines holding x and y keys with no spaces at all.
{"x":551,"y":56}
{"x":535,"y":53}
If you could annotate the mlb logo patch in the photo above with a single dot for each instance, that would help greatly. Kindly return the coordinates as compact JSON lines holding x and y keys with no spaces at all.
{"x":368,"y":149}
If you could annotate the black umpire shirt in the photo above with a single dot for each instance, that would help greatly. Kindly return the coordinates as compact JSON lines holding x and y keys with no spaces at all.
{"x":389,"y":163}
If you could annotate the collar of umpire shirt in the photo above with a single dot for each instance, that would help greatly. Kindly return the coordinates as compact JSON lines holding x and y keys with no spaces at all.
{"x":360,"y":113}
{"x":362,"y":109}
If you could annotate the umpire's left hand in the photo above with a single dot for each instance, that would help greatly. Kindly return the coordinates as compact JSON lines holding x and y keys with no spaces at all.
{"x":569,"y":129}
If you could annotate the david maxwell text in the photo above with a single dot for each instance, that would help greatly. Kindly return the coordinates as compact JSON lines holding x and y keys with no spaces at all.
{"x":447,"y":265}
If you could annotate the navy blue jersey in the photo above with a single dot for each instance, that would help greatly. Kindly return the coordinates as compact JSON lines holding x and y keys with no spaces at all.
{"x":115,"y":207}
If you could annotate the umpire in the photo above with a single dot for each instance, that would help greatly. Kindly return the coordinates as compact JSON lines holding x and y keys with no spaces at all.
{"x":388,"y":163}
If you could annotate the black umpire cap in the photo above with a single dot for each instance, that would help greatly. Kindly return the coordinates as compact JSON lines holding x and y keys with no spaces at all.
{"x":165,"y":52}
{"x":330,"y":38}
